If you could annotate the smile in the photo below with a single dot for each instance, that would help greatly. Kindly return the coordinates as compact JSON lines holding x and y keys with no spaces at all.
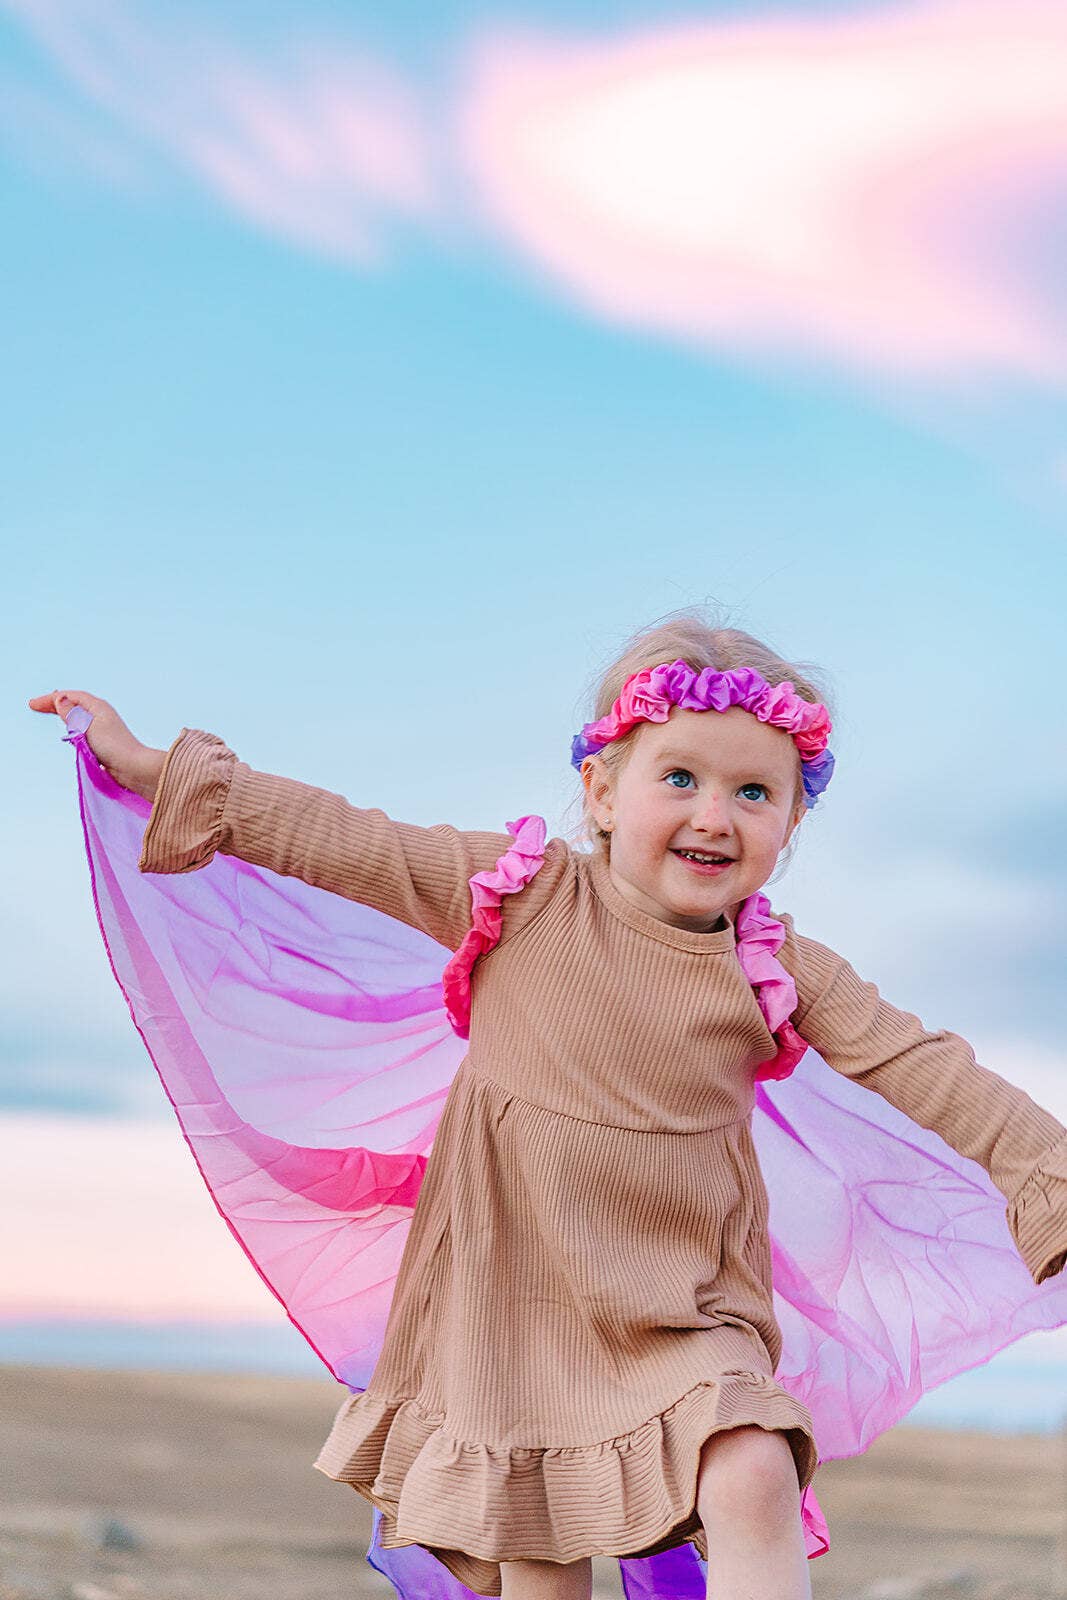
{"x":704,"y":861}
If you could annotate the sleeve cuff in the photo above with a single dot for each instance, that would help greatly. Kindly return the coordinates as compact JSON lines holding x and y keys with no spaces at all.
{"x":185,"y":827}
{"x":1037,"y":1215}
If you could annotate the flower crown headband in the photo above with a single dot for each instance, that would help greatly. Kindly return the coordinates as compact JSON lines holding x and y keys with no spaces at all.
{"x":648,"y":695}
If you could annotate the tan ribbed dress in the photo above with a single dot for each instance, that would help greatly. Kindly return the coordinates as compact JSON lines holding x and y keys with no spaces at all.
{"x":585,"y":1294}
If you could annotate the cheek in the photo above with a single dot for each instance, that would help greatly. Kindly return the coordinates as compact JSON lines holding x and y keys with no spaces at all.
{"x":771,"y":831}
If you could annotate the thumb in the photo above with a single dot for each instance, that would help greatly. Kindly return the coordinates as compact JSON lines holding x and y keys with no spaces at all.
{"x":76,"y":717}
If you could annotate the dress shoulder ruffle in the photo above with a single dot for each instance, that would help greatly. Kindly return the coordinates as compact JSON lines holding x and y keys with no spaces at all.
{"x":512,"y":872}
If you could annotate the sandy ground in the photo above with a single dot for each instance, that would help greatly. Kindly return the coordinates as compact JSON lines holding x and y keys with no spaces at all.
{"x":211,"y":1476}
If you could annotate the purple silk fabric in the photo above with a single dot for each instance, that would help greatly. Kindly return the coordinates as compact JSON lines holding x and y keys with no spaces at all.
{"x":302,"y":1040}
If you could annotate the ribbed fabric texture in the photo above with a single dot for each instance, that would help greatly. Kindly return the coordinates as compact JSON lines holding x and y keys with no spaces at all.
{"x":586,"y":1290}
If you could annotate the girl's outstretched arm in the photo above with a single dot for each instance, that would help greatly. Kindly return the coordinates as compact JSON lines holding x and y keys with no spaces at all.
{"x":207,"y":800}
{"x":933,"y":1077}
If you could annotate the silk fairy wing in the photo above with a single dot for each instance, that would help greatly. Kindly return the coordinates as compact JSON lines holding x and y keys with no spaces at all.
{"x":892,"y":1262}
{"x":302,"y":1041}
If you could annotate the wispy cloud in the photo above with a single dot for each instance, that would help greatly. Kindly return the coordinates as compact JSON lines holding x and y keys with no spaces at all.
{"x":51,"y":137}
{"x":322,"y":144}
{"x":879,"y":188}
{"x":867,"y":188}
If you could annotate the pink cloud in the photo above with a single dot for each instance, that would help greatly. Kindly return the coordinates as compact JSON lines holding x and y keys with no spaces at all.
{"x":322,"y":145}
{"x":867,"y":188}
{"x":109,"y":1217}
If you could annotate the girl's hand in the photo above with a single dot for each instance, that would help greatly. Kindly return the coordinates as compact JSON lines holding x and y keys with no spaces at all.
{"x":133,"y":765}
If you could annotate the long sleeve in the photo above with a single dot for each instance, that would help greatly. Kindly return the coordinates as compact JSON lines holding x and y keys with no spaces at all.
{"x":207,"y":801}
{"x":933,"y":1077}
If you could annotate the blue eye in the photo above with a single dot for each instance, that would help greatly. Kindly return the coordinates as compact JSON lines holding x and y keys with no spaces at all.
{"x":683,"y":772}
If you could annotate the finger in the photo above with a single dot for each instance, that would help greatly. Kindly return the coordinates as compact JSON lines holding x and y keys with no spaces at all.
{"x":42,"y":702}
{"x":63,"y":701}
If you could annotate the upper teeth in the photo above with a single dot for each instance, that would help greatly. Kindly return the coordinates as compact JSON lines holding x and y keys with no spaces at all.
{"x":698,"y":855}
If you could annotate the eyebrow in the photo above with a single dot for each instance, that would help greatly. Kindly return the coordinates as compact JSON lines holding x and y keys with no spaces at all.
{"x":678,"y":757}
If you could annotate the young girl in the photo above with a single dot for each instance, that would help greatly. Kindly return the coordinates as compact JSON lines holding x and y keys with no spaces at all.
{"x":599,"y":1340}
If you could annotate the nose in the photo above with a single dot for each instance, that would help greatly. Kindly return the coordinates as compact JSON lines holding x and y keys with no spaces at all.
{"x":712,"y":815}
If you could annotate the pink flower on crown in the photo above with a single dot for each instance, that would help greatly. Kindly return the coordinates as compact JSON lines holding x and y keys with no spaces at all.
{"x":814,"y":731}
{"x":643,"y":698}
{"x":778,"y":704}
{"x":809,"y":724}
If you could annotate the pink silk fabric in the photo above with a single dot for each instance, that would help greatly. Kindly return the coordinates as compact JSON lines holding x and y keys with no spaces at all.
{"x":304,"y":1043}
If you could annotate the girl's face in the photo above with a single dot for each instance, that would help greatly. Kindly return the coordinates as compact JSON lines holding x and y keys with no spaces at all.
{"x":711,"y":781}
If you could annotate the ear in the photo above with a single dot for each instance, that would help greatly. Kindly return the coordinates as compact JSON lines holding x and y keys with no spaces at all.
{"x":798,"y":814}
{"x":598,"y":790}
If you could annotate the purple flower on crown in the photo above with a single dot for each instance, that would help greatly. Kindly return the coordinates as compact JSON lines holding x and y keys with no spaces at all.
{"x":816,"y":774}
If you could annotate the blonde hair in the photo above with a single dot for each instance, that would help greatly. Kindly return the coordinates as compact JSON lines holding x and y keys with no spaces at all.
{"x":689,"y":636}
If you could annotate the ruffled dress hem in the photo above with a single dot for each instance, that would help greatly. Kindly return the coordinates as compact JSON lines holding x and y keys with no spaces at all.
{"x":474,"y":1505}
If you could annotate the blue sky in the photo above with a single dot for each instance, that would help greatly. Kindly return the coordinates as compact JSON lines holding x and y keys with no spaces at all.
{"x":378,"y":519}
